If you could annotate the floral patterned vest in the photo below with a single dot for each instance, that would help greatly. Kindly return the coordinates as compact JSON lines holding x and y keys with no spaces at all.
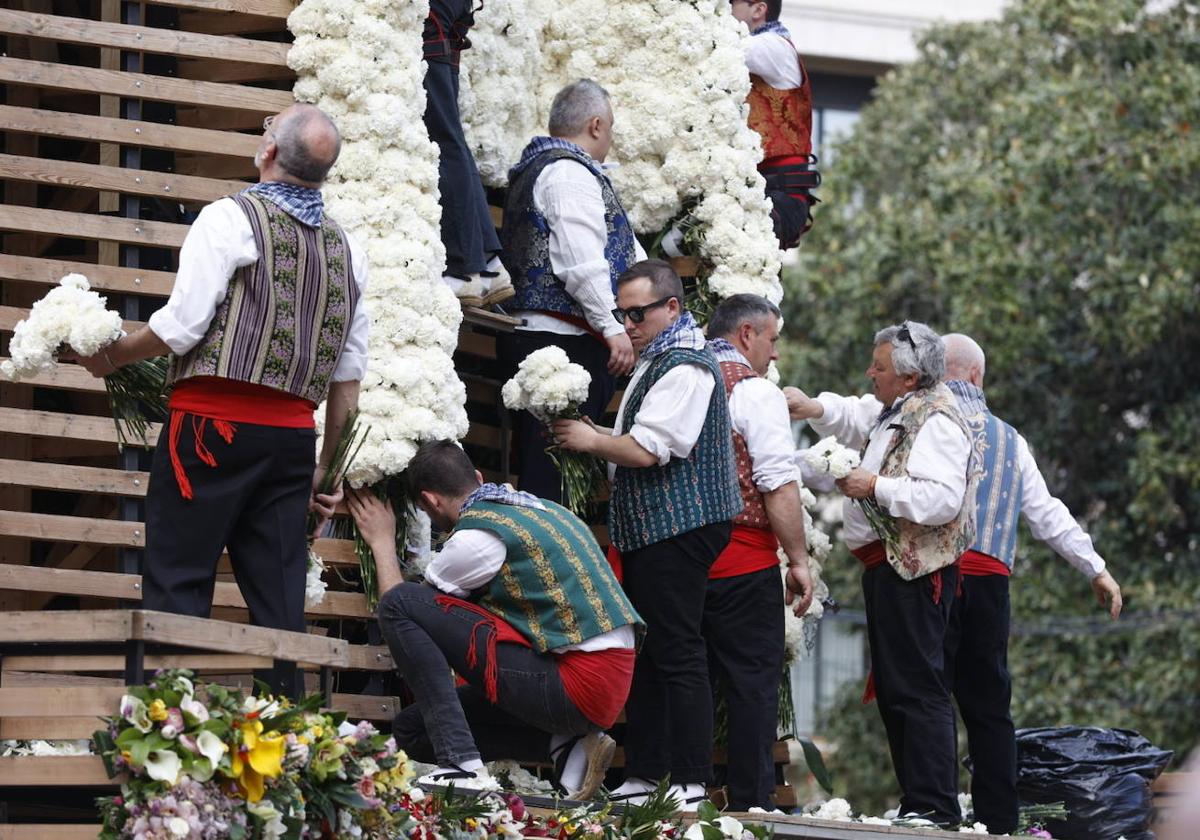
{"x":783,"y":118}
{"x":754,"y":514}
{"x":922,"y":549}
{"x":286,"y":317}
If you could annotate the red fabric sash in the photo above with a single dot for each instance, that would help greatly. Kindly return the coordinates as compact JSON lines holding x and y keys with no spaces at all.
{"x":217,"y":398}
{"x":871,"y":554}
{"x":978,"y":564}
{"x":614,"y":559}
{"x":749,"y":550}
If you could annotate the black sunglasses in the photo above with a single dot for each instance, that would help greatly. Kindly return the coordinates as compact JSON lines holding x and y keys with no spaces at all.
{"x":904,"y":335}
{"x":637,"y":314}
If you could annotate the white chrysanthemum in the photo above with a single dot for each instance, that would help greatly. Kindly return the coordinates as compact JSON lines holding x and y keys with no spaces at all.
{"x":827,"y":456}
{"x":546,"y":384}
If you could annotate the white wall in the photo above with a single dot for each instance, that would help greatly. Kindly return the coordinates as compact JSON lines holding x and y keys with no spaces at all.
{"x":867,"y":36}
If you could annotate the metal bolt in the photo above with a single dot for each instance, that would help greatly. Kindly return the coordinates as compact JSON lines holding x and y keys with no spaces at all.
{"x":138,"y":36}
{"x":137,"y":230}
{"x":137,"y":482}
{"x":167,"y":187}
{"x":137,"y":131}
{"x":137,"y":180}
{"x":137,"y":84}
{"x":137,"y":533}
{"x":137,"y":586}
{"x":137,"y":281}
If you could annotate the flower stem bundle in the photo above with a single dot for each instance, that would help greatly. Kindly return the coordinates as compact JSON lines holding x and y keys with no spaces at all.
{"x":135,"y":397}
{"x":348,"y":443}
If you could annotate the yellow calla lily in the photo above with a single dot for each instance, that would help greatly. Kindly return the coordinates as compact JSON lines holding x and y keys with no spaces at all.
{"x":258,"y":757}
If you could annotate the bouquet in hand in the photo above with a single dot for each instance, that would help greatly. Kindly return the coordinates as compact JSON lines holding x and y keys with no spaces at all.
{"x":551,"y":387}
{"x":74,"y":316}
{"x":829,"y":457}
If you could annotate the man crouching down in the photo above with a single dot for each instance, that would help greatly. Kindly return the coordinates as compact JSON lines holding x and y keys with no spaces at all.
{"x":522,"y":605}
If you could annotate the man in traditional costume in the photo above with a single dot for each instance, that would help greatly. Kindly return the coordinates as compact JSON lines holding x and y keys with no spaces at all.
{"x":545,"y":643}
{"x":265,"y":321}
{"x":781,"y":112}
{"x":918,"y":479}
{"x":473,"y":269}
{"x":674,"y":495}
{"x":743,"y":613}
{"x":566,"y":240}
{"x":1012,"y":486}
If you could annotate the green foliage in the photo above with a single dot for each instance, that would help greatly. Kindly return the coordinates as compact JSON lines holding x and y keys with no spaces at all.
{"x":1033,"y":182}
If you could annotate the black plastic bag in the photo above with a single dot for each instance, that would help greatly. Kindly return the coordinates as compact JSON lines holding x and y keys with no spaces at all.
{"x":1102,"y":775}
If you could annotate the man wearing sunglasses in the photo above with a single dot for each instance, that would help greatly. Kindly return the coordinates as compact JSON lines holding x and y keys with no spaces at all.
{"x":909,"y":516}
{"x":675,"y":492}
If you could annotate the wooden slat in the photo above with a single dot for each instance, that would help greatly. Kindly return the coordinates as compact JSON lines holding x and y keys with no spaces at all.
{"x":127,"y":132}
{"x":206,"y":662}
{"x":142,"y":38}
{"x":370,"y":658}
{"x":72,"y":426}
{"x":47,"y":831}
{"x":88,"y":226}
{"x":73,"y":478}
{"x":58,"y":770}
{"x":69,"y":626}
{"x":65,"y":377}
{"x":487,"y":436}
{"x":51,"y":729}
{"x":49,"y":702}
{"x":226,"y":637}
{"x":367,"y":706}
{"x":263,"y":8}
{"x":476,"y":344}
{"x":10,"y":315}
{"x":100,"y":277}
{"x":1174,"y":783}
{"x":46,"y":74}
{"x":65,"y":173}
{"x":79,"y":529}
{"x":336,"y":552}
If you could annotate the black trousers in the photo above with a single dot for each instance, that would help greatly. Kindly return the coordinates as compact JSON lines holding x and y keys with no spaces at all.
{"x":907,"y":634}
{"x":743,"y":626}
{"x":977,"y":651}
{"x":537,"y":472}
{"x":255,"y":502}
{"x":669,"y":712}
{"x":467,"y":229}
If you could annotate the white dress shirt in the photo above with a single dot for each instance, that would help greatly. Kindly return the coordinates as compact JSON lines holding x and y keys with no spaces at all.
{"x":672,"y":413}
{"x":758,"y":412}
{"x":773,"y":57}
{"x":219,"y":242}
{"x":931,"y":494}
{"x":569,"y":196}
{"x":471,"y":558}
{"x":1050,"y":521}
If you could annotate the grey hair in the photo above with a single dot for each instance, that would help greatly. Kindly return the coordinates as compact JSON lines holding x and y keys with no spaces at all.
{"x":736,"y":310}
{"x":293,"y":140}
{"x":927,"y":360}
{"x":962,"y":354}
{"x":575,"y":106}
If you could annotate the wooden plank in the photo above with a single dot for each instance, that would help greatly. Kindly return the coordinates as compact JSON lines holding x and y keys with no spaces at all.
{"x":74,"y":478}
{"x":65,"y":377}
{"x":486,"y":436}
{"x":100,"y":277}
{"x":336,"y":552}
{"x":227,"y":637}
{"x":51,"y":729}
{"x":127,"y":132}
{"x":47,"y":831}
{"x":1175,"y":783}
{"x":210,"y":662}
{"x":65,"y":173}
{"x":46,"y":74}
{"x":476,"y":344}
{"x":142,"y":38}
{"x":52,"y":702}
{"x":88,"y":226}
{"x":10,"y":315}
{"x":72,"y":426}
{"x":55,"y":771}
{"x":66,"y":626}
{"x":264,"y":8}
{"x":366,"y":706}
{"x":54,"y":528}
{"x":370,"y":658}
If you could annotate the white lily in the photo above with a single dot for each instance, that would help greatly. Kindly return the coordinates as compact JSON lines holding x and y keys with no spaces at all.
{"x":211,"y":747}
{"x":729,"y":826}
{"x":189,"y":705}
{"x":135,"y":713}
{"x":163,"y":766}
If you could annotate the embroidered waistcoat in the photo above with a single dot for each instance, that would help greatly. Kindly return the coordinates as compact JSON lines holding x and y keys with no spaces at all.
{"x":782,"y":118}
{"x":525,"y":237}
{"x":922,"y":549}
{"x":754,"y":510}
{"x":651,"y":504}
{"x":285,"y":318}
{"x":555,"y":587}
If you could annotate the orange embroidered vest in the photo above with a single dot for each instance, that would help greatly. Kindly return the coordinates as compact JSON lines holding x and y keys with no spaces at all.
{"x":783,"y":118}
{"x":754,"y":514}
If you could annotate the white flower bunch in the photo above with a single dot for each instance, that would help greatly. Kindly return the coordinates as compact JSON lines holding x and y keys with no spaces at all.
{"x":547,"y":384}
{"x":836,"y":809}
{"x":360,"y":61}
{"x":800,"y":631}
{"x":314,"y":586}
{"x":70,"y":314}
{"x":827,"y":456}
{"x":45,"y":748}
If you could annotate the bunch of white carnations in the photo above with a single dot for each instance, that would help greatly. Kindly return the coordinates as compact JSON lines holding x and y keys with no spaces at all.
{"x":314,"y":586}
{"x":800,"y":632}
{"x":828,"y":457}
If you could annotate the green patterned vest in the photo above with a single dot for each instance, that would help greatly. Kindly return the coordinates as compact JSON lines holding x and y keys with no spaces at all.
{"x":651,"y":504}
{"x":555,"y":586}
{"x":922,"y":549}
{"x":285,"y":318}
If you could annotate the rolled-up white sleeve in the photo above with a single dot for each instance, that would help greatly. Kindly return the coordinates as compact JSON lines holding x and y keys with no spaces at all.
{"x":569,"y":196}
{"x":671,"y":416}
{"x":352,"y":363}
{"x":758,"y":412}
{"x":933,"y":491}
{"x":774,"y":58}
{"x":849,"y":419}
{"x":467,"y":561}
{"x":1049,"y":519}
{"x":219,"y":242}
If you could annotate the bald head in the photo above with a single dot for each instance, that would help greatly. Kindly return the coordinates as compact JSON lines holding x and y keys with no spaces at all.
{"x":964,"y":359}
{"x":307,"y":143}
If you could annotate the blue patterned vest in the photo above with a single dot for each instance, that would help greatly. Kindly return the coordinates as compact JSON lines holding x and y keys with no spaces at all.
{"x":526,"y":238}
{"x":999,"y":496}
{"x":555,"y":586}
{"x":651,"y":504}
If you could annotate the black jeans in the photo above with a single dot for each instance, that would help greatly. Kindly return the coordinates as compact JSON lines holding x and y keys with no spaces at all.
{"x":450,"y":726}
{"x":537,"y":472}
{"x":907,"y":634}
{"x":255,"y":502}
{"x":977,"y":651}
{"x":669,"y":712}
{"x":743,"y":626}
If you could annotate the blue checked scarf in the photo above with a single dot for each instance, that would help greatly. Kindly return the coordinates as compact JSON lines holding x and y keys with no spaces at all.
{"x":504,"y":494}
{"x":726,"y":352}
{"x":544,"y":144}
{"x":773,"y":26}
{"x":683,"y":332}
{"x":301,"y":203}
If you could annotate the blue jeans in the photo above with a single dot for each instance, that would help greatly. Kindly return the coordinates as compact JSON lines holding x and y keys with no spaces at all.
{"x":449,"y":726}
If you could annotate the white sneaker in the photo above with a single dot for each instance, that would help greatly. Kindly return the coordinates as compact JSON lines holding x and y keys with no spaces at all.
{"x":469,"y":292}
{"x":687,"y":797}
{"x":460,"y":779}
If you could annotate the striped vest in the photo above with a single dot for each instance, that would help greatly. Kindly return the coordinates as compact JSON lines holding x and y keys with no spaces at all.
{"x":999,"y":496}
{"x":525,"y":237}
{"x":285,"y":318}
{"x":754,"y":510}
{"x":651,"y":504}
{"x":922,"y":549}
{"x":555,"y":586}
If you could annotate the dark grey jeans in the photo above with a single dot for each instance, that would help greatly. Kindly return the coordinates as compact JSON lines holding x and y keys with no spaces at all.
{"x":449,"y":726}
